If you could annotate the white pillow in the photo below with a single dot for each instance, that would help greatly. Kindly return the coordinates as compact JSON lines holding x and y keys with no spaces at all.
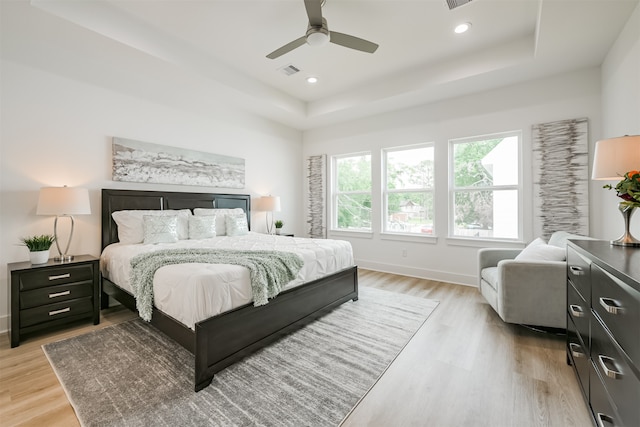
{"x":160,"y":229}
{"x":538,"y":250}
{"x":130,"y":228}
{"x":236,"y":224}
{"x":221,"y":228}
{"x":202,"y":227}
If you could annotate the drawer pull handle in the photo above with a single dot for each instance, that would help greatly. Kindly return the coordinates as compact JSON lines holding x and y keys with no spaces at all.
{"x":604,"y":418}
{"x":576,"y":310}
{"x":62,"y":310}
{"x":611,"y":373}
{"x":59,"y":294}
{"x":576,"y":271}
{"x":576,"y":350}
{"x":60,"y":276}
{"x":612,"y":306}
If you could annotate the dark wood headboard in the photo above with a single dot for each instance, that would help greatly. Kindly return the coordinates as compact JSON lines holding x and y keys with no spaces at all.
{"x":118,"y":200}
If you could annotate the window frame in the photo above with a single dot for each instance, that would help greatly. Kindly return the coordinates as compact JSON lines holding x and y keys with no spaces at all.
{"x":335,"y":192}
{"x":518,"y":187}
{"x":385,"y":191}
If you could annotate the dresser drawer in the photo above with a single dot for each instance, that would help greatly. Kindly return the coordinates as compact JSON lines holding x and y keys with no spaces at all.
{"x":59,"y":310}
{"x":601,"y":405}
{"x":578,"y":269}
{"x":617,"y":376}
{"x":57,"y":293}
{"x":54,"y":276}
{"x":579,"y":354}
{"x":579,"y":313}
{"x":618,"y":305}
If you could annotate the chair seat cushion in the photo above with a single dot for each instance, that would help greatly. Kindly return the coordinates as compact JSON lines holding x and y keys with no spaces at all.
{"x":490,"y":275}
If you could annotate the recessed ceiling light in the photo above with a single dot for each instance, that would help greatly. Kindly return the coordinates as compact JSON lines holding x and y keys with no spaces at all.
{"x":312,"y":79}
{"x":462,"y":28}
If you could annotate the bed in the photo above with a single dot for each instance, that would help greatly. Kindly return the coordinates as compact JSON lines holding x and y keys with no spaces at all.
{"x":224,"y":338}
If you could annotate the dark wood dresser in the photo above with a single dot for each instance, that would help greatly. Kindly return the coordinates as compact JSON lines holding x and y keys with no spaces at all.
{"x":45,"y":296}
{"x":603,"y":328}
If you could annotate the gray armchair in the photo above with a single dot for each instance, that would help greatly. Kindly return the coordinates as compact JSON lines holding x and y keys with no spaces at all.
{"x":529,"y":291}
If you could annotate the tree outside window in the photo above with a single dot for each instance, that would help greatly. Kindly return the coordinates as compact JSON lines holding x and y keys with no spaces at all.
{"x":408,"y":190}
{"x":486,"y":187}
{"x":352,"y":192}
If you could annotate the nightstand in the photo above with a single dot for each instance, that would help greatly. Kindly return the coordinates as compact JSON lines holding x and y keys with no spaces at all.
{"x":45,"y":296}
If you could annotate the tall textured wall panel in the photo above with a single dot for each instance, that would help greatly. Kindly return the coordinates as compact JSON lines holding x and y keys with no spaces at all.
{"x":561,"y":177}
{"x":316,"y":166}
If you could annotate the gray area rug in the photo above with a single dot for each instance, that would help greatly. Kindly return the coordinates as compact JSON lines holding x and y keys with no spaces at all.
{"x":131,"y":374}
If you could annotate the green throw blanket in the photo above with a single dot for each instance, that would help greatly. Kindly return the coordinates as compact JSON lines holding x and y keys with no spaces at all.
{"x":270,"y":271}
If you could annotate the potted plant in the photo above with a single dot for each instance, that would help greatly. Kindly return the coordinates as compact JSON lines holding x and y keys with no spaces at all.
{"x":38,"y":247}
{"x":279,"y":224}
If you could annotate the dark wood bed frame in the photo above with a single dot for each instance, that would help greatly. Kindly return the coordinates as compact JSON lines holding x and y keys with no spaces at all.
{"x":228,"y":337}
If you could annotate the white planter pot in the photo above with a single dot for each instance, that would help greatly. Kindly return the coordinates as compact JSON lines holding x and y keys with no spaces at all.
{"x":278,"y":230}
{"x":39,"y":257}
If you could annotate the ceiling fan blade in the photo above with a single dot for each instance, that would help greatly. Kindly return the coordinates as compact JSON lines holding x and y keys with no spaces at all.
{"x":352,"y":42}
{"x":287,"y":48}
{"x":314,"y":12}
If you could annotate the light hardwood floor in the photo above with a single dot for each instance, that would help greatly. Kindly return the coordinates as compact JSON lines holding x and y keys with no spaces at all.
{"x":464,"y":367}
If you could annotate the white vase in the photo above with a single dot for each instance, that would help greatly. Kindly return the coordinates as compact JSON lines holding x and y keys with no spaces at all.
{"x":39,"y":257}
{"x":278,"y":231}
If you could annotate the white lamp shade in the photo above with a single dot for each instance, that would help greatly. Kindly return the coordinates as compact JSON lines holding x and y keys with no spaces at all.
{"x":270,"y":203}
{"x":616,"y":156}
{"x":63,"y":201}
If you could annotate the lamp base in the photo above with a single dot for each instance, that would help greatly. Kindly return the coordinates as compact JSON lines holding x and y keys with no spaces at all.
{"x":626,"y":239}
{"x":633,"y":242}
{"x":63,"y":258}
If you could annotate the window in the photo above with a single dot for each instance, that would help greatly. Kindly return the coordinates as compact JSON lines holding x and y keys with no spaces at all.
{"x":408,"y":190}
{"x":352,"y":192}
{"x":485,"y":187}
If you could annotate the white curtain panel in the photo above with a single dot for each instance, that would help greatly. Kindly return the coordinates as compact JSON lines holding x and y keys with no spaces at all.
{"x":317,"y":190}
{"x":561,"y":177}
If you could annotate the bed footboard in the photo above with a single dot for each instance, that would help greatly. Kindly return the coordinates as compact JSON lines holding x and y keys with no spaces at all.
{"x":223,"y":340}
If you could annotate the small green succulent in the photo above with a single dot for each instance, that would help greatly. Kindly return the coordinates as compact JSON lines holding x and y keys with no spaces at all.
{"x":38,"y":243}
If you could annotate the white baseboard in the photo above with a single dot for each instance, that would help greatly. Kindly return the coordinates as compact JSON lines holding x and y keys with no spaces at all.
{"x":421,"y":273}
{"x":4,"y":323}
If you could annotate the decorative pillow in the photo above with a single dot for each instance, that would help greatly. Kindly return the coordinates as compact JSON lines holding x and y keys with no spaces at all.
{"x":221,"y":228}
{"x":538,"y":250}
{"x":130,"y":227}
{"x":202,"y":227}
{"x":160,"y":229}
{"x":236,"y":224}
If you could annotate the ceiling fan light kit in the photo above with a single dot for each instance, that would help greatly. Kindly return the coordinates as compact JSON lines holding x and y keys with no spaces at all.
{"x":318,"y":34}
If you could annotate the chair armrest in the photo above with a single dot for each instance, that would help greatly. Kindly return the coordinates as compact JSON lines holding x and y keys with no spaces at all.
{"x":532,"y":292}
{"x":489,"y":257}
{"x":532,"y":273}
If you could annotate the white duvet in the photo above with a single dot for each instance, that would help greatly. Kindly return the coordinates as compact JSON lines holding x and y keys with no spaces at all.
{"x":193,"y":292}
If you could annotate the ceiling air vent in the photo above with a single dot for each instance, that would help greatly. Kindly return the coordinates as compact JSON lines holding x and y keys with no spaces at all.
{"x":457,"y":3}
{"x":289,"y":70}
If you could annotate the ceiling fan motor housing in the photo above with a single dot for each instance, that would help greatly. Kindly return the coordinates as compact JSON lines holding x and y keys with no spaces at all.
{"x":318,"y":36}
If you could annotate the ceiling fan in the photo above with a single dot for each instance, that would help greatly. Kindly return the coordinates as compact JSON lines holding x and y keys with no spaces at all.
{"x":318,"y":34}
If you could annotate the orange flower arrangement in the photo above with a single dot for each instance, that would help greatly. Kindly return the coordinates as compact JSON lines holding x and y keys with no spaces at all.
{"x":628,"y":189}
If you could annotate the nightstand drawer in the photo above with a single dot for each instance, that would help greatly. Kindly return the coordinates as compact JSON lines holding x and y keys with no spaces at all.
{"x":55,"y":276}
{"x":52,"y":294}
{"x":47,"y":313}
{"x":618,"y":305}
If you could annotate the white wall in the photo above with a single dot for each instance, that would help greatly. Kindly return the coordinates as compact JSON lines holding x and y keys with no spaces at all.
{"x":57,"y":131}
{"x":620,"y":116}
{"x":511,"y":108}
